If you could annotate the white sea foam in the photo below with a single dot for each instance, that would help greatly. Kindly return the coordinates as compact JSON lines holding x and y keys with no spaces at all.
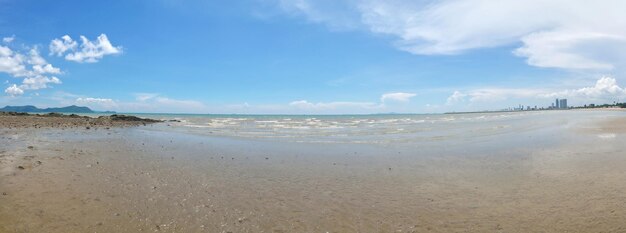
{"x":607,"y":136}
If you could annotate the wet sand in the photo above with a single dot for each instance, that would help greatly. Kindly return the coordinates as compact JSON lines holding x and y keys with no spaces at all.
{"x":142,"y":179}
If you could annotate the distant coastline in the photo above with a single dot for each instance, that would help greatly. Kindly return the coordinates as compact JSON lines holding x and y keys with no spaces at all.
{"x":591,"y":106}
{"x":33,"y":109}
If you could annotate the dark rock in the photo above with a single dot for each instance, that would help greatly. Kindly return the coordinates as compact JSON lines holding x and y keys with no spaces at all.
{"x":54,"y":114}
{"x":20,"y":167}
{"x":116,"y":117}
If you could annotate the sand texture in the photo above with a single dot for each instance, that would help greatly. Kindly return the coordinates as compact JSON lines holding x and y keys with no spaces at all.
{"x":144,"y":179}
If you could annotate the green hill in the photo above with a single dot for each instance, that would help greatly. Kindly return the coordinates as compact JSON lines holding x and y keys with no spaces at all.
{"x":30,"y":108}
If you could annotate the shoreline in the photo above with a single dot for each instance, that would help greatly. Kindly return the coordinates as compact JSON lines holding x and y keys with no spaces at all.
{"x":132,"y":179}
{"x":58,"y":120}
{"x":540,"y":110}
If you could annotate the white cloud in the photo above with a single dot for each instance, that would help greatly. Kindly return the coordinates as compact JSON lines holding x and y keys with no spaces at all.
{"x":47,"y":68}
{"x":558,"y":33}
{"x":11,"y":62}
{"x":88,"y":51}
{"x":398,"y":96}
{"x":38,"y":82}
{"x":28,"y":65}
{"x":8,"y":39}
{"x":606,"y":88}
{"x":456,"y":97}
{"x":60,"y":46}
{"x":14,"y":90}
{"x":100,"y":103}
{"x":573,"y":49}
{"x":35,"y":71}
{"x":35,"y":58}
{"x":94,"y":100}
{"x":335,"y":107}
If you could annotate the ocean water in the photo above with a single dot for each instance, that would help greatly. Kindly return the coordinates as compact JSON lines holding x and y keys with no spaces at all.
{"x":380,"y":129}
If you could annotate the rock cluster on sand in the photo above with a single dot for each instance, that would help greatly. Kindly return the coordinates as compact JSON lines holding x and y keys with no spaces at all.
{"x":57,"y":120}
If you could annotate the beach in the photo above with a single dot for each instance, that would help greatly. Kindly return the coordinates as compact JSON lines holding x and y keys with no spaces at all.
{"x":544,"y":171}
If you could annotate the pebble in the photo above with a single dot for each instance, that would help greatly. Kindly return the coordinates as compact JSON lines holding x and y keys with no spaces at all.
{"x":20,"y":167}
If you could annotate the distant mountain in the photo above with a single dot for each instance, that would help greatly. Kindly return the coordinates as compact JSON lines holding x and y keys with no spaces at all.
{"x":30,"y":108}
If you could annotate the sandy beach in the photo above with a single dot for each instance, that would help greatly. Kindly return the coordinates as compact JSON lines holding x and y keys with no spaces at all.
{"x":547,"y":178}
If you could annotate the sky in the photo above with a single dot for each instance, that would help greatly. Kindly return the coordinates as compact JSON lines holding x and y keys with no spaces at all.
{"x":311,"y":56}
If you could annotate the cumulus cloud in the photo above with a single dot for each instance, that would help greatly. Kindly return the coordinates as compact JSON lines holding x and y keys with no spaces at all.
{"x":558,"y":33}
{"x":60,"y":46}
{"x":398,"y":96}
{"x":88,"y":51}
{"x":47,"y":68}
{"x":606,"y":88}
{"x":28,"y":65}
{"x":14,"y":90}
{"x":39,"y":82}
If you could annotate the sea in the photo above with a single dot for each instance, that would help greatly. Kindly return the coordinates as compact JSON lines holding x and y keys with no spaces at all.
{"x":381,"y":128}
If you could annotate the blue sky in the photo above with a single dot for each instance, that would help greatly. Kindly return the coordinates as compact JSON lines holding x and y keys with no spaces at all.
{"x":306,"y":56}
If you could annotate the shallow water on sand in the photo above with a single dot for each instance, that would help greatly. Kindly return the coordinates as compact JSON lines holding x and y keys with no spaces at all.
{"x":380,"y":129}
{"x":515,"y":172}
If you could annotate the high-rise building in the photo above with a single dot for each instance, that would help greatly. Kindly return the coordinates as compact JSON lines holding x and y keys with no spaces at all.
{"x":563,"y":103}
{"x":557,"y":103}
